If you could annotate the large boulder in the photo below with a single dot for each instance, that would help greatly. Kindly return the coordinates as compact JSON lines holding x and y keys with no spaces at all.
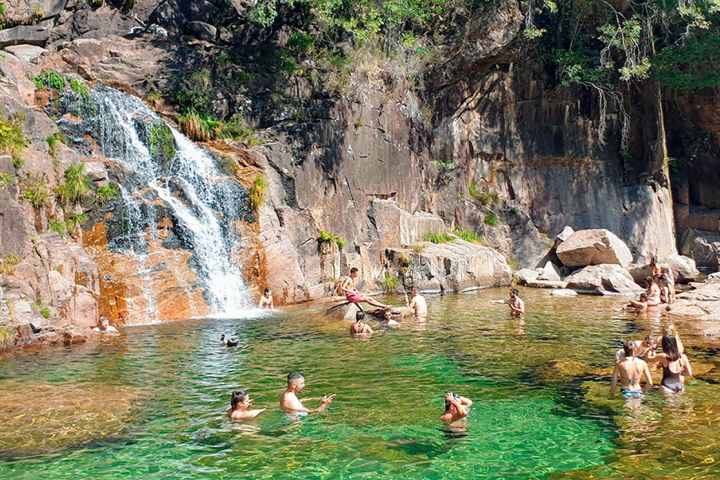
{"x":701,"y":246}
{"x":602,"y":280}
{"x":24,"y":34}
{"x":682,"y":268}
{"x":29,"y":11}
{"x":564,"y":235}
{"x":396,"y":226}
{"x":550,"y":272}
{"x":452,"y":266}
{"x":525,"y":275}
{"x":593,"y":247}
{"x":202,"y":30}
{"x":26,"y":53}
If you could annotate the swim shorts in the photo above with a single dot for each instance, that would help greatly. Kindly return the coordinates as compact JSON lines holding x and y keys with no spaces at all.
{"x":631,"y":393}
{"x":355,"y":297}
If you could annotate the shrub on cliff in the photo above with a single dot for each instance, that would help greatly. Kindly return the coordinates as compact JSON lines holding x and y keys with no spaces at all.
{"x":257,"y":191}
{"x":76,"y":185}
{"x":12,"y":138}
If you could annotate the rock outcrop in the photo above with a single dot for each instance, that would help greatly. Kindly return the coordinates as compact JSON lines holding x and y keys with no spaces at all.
{"x":701,"y":302}
{"x":602,"y":280}
{"x":701,"y":246}
{"x":593,"y":247}
{"x":450,"y":267}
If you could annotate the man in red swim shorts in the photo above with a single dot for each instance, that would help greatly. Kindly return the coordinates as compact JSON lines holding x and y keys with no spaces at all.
{"x":351,"y":293}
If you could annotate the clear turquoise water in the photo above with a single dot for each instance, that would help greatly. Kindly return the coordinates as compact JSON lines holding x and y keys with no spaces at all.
{"x":150,"y":404}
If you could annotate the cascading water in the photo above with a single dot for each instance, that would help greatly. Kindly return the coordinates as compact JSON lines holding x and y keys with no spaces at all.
{"x":166,"y":174}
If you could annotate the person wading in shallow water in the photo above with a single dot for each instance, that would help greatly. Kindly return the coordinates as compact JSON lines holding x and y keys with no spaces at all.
{"x":290,"y":402}
{"x":675,"y":366}
{"x":456,"y":408}
{"x":360,"y":328}
{"x":516,"y":304}
{"x":240,"y":402}
{"x":630,"y":370}
{"x":347,"y":287}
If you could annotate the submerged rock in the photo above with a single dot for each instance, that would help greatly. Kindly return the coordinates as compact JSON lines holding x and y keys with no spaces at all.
{"x":593,"y":247}
{"x":56,"y":417}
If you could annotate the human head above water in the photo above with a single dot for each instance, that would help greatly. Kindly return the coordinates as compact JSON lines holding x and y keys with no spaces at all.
{"x":353,"y":272}
{"x":238,"y":397}
{"x":629,"y":348}
{"x":514,"y":292}
{"x":643,"y":297}
{"x":267,"y":291}
{"x":296,"y":381}
{"x":359,"y":315}
{"x":670,"y":347}
{"x":414,"y":291}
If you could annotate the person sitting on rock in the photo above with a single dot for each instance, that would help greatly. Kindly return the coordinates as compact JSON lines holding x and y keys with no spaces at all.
{"x":653,"y":290}
{"x":456,"y":408}
{"x":360,"y":328}
{"x":638,"y":305}
{"x":354,"y":296}
{"x":239,"y":403}
{"x":516,"y":304}
{"x":266,"y":300}
{"x":417,"y":303}
{"x":105,"y":327}
{"x":667,"y":290}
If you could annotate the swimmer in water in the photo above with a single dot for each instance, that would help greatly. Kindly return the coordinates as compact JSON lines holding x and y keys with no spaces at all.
{"x":630,"y":371}
{"x":290,"y":402}
{"x":240,"y":402}
{"x":456,"y":408}
{"x":360,"y":328}
{"x":516,"y":304}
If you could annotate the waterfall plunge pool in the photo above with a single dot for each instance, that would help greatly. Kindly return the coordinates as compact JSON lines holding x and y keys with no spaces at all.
{"x":150,"y":403}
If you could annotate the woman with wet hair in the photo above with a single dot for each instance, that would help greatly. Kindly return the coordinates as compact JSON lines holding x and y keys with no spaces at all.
{"x":266,"y":301}
{"x":240,"y":402}
{"x":675,"y":366}
{"x":456,"y":407}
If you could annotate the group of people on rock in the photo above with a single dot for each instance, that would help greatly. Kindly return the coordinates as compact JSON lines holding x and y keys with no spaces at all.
{"x":660,"y":289}
{"x":632,"y":364}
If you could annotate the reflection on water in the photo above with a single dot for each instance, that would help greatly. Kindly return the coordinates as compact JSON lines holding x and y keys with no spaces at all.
{"x":151,"y":403}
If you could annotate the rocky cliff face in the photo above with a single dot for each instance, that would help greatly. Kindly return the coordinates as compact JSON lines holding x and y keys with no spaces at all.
{"x":380,"y":154}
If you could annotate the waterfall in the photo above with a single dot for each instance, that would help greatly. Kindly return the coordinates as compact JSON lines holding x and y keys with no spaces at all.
{"x":183,"y":181}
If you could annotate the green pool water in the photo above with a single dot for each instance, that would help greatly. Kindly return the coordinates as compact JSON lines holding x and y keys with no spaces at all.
{"x":150,"y":403}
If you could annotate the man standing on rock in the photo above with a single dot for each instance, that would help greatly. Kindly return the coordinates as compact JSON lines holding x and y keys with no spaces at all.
{"x":354,"y":296}
{"x":516,"y":304}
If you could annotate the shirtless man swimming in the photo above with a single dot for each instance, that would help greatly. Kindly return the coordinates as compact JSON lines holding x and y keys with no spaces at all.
{"x":631,"y":370}
{"x":418,"y":304}
{"x":456,"y":408}
{"x":290,"y":402}
{"x":348,"y":288}
{"x":239,"y":404}
{"x":516,"y":304}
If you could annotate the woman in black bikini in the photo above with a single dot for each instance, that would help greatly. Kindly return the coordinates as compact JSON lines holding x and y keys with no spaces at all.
{"x":675,"y":366}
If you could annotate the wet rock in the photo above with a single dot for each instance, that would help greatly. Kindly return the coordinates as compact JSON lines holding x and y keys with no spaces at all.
{"x":550,"y":272}
{"x":701,"y":246}
{"x":593,"y":247}
{"x":96,"y":171}
{"x":526,"y":275}
{"x":78,"y":415}
{"x":24,"y":34}
{"x":202,"y":31}
{"x":26,"y":53}
{"x":603,"y":279}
